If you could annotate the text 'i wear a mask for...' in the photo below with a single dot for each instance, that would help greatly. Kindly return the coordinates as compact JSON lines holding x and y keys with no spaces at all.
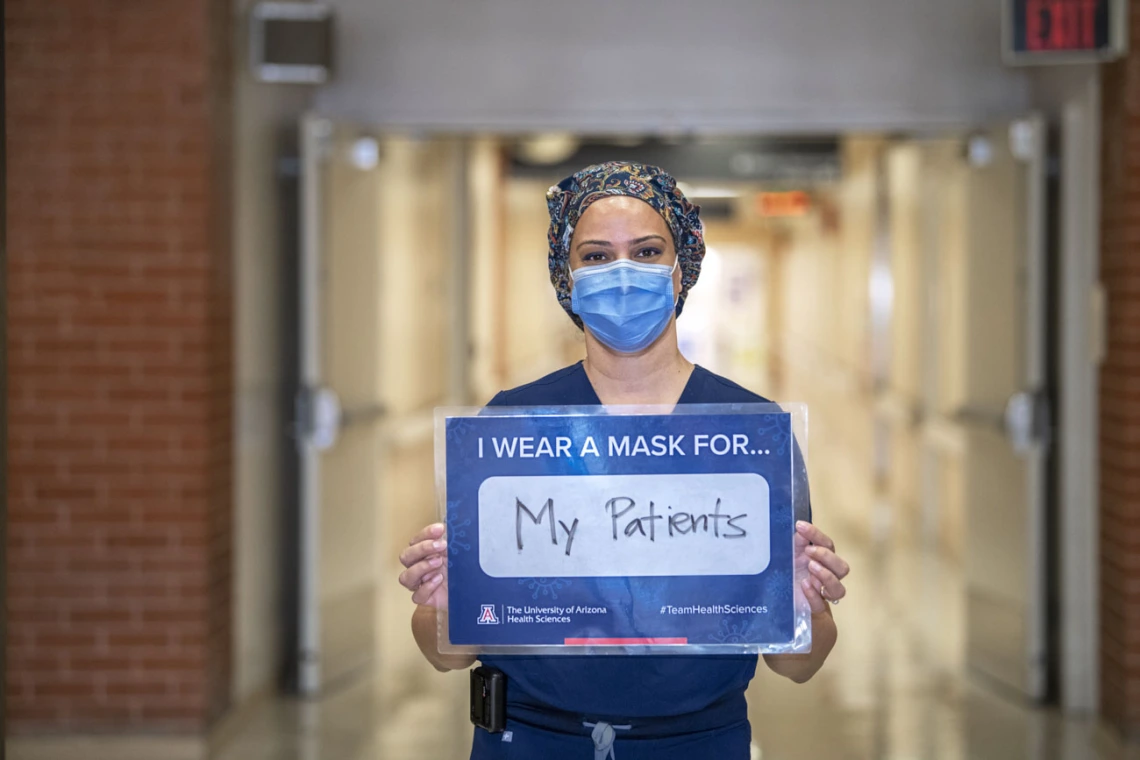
{"x":625,"y":304}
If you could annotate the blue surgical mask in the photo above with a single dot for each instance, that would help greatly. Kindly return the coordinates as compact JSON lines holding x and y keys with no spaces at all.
{"x":625,"y":304}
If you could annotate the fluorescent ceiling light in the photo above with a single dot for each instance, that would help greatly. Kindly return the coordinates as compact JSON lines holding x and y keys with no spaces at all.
{"x":701,"y":191}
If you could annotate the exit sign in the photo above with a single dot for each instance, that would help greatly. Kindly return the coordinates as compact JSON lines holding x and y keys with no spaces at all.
{"x":1064,"y":31}
{"x":792,"y":203}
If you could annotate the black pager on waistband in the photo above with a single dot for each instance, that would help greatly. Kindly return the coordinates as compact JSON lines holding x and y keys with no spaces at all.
{"x":489,"y":699}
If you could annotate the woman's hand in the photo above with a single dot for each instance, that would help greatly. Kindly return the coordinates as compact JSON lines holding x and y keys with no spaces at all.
{"x":425,"y":575}
{"x":815,"y":552}
{"x":821,"y":571}
{"x":425,"y":563}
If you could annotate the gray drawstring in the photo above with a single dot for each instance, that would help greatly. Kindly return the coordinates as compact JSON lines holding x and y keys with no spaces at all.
{"x":603,"y":736}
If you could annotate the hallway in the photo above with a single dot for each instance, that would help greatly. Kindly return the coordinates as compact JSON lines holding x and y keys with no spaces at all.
{"x":252,"y":247}
{"x":792,"y":315}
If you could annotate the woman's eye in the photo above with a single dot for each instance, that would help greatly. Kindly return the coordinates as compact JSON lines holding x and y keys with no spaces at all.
{"x":649,"y":252}
{"x":597,"y":256}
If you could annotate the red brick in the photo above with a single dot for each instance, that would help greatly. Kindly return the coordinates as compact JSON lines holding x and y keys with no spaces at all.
{"x":176,"y":665}
{"x":136,"y":688}
{"x":112,"y":663}
{"x":1120,"y":392}
{"x":120,"y":373}
{"x":76,"y":688}
{"x":31,"y":714}
{"x":157,"y":637}
{"x":107,"y":615}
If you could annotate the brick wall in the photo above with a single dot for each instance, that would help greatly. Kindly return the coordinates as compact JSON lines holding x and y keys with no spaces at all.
{"x":120,"y":377}
{"x":1120,"y":392}
{"x":222,"y":370}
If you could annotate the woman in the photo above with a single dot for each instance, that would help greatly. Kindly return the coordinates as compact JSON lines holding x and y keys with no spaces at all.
{"x":625,"y":248}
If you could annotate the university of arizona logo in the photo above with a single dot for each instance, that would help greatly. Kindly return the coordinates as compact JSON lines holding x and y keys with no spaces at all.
{"x":488,"y":616}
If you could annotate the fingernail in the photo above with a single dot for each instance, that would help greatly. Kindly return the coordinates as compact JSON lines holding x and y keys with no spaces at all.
{"x":811,"y":549}
{"x":815,"y":566}
{"x":435,"y":561}
{"x":801,"y":526}
{"x":806,"y":584}
{"x":436,"y":579}
{"x":437,"y":544}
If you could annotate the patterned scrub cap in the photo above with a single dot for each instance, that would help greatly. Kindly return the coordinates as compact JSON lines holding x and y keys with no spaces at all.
{"x":570,"y":198}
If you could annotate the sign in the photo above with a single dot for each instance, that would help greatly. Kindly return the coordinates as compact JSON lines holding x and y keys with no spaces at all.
{"x":1054,"y":31}
{"x":504,"y":512}
{"x":291,"y":42}
{"x":572,"y":529}
{"x":793,"y":203}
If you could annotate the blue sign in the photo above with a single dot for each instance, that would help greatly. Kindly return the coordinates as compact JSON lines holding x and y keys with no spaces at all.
{"x":608,"y":529}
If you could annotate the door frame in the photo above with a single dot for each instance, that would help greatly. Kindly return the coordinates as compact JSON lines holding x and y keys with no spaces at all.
{"x":1080,"y":342}
{"x":317,"y":416}
{"x":1080,"y":346}
{"x":315,"y":131}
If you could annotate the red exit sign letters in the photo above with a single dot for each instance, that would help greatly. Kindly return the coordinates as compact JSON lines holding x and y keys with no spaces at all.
{"x":1064,"y":30}
{"x":1061,"y":24}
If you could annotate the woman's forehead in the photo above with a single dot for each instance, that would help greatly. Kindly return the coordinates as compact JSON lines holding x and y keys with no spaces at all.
{"x":621,"y":212}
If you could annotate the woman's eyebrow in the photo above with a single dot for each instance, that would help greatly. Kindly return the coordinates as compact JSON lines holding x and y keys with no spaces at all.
{"x":648,"y":237}
{"x":594,"y":242}
{"x":609,"y":244}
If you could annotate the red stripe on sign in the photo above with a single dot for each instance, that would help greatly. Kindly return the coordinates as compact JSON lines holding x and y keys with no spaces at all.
{"x":620,"y":642}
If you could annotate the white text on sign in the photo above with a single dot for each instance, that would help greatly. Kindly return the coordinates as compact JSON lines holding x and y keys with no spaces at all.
{"x":555,"y":447}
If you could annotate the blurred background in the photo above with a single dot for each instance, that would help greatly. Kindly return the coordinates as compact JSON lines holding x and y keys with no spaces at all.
{"x":252,"y":246}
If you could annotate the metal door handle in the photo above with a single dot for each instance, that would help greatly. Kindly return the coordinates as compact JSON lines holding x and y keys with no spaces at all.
{"x":318,"y":418}
{"x":1019,"y":421}
{"x":979,"y":415}
{"x":361,"y":415}
{"x":1025,"y":420}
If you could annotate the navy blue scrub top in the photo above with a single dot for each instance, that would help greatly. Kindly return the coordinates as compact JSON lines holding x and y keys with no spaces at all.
{"x":650,"y":686}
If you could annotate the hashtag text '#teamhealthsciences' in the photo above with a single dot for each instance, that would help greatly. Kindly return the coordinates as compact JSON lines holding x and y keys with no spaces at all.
{"x":716,"y":609}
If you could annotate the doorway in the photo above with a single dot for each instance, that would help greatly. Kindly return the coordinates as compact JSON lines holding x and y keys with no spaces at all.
{"x":426,"y":284}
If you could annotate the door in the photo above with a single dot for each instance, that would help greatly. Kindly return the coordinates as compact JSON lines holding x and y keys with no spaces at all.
{"x":1002,"y":411}
{"x":382,"y":342}
{"x":338,"y":408}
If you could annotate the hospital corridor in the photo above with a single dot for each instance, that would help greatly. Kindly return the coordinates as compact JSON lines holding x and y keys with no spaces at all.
{"x":270,"y":264}
{"x":861,"y":275}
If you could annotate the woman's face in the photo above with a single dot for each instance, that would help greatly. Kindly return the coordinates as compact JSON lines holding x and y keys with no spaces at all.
{"x":623,"y":228}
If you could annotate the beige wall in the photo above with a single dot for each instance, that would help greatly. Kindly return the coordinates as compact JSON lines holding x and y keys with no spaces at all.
{"x":416,"y":235}
{"x":487,"y":229}
{"x":539,"y":336}
{"x":519,"y":332}
{"x":812,"y":371}
{"x":415,"y":214}
{"x":928,"y":348}
{"x":856,"y":206}
{"x":819,"y":266}
{"x":902,"y":400}
{"x":260,"y":112}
